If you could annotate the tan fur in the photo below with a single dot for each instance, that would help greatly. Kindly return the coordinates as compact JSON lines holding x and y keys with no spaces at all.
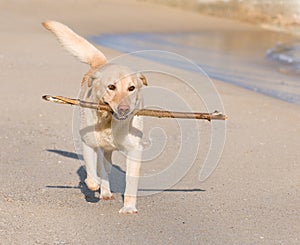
{"x":76,"y":45}
{"x":101,"y":133}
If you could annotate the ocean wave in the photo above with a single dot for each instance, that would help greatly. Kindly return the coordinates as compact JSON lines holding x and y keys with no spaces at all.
{"x":287,"y":57}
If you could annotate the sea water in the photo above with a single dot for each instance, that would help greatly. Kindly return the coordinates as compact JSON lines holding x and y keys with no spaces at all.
{"x":263,"y":61}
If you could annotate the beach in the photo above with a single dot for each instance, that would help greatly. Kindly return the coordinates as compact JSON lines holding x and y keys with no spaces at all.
{"x":252,"y":197}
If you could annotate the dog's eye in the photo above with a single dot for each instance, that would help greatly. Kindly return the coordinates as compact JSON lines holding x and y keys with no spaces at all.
{"x":131,"y":88}
{"x":111,"y":87}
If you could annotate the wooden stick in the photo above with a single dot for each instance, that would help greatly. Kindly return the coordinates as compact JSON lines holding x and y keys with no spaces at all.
{"x":143,"y":112}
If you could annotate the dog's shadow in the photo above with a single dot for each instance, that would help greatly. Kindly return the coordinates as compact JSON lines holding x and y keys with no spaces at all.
{"x":90,"y":196}
{"x":117,"y":184}
{"x":117,"y":180}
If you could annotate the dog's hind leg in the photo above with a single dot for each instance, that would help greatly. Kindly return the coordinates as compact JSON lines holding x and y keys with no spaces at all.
{"x":104,"y":167}
{"x":90,"y":157}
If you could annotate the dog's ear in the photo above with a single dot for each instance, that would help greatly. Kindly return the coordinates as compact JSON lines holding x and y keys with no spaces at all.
{"x":76,"y":45}
{"x":143,"y":79}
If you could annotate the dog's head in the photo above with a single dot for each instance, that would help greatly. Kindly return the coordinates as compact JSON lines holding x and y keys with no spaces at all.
{"x":113,"y":84}
{"x":119,"y":87}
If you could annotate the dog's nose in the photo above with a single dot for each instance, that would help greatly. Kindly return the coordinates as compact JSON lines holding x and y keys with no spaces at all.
{"x":123,"y":109}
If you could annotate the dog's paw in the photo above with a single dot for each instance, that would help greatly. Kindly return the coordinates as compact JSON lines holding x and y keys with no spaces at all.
{"x":107,"y":196}
{"x":91,"y":184}
{"x":128,"y":210}
{"x":105,"y":193}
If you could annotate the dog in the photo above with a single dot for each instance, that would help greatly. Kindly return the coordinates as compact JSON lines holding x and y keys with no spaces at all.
{"x":103,"y":132}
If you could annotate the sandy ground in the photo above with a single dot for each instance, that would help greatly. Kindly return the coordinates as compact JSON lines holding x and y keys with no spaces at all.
{"x":252,"y":198}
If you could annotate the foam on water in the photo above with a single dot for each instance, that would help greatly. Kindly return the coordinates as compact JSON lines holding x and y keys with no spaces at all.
{"x":287,"y":57}
{"x":239,"y":58}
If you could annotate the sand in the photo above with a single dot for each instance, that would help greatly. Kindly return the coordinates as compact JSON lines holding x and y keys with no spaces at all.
{"x":252,"y":197}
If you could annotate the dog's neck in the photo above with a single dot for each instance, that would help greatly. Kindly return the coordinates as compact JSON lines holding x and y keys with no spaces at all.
{"x":120,"y":127}
{"x":123,"y":131}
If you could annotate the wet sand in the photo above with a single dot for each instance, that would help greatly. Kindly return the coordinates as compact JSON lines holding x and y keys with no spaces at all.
{"x":251,"y":198}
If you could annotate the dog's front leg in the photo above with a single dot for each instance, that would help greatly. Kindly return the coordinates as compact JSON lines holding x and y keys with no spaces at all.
{"x":104,"y":167}
{"x":90,"y":157}
{"x":133,"y":164}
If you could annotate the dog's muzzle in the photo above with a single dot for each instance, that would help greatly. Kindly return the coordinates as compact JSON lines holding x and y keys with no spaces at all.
{"x":122,"y":111}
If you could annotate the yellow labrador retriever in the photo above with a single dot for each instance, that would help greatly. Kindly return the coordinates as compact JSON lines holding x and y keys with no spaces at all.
{"x":101,"y":132}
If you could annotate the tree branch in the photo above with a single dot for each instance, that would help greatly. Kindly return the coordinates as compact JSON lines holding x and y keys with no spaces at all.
{"x":143,"y":112}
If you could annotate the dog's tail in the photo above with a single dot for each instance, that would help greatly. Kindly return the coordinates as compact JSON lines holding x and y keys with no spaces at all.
{"x":76,"y":44}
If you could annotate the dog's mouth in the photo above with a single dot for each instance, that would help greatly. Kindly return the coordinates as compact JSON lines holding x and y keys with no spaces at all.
{"x":120,"y":117}
{"x":116,"y":116}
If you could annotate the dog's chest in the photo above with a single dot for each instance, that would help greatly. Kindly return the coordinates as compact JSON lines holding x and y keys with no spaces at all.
{"x":95,"y":129}
{"x":105,"y":139}
{"x":100,"y":130}
{"x":98,"y":138}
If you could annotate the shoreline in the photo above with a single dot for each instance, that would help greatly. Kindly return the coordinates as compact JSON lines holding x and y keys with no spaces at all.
{"x":254,"y":71}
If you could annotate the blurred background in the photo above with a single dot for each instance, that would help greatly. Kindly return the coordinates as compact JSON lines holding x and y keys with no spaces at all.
{"x":276,"y":12}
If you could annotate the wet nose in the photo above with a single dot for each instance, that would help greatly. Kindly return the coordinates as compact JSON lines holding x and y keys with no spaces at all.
{"x":123,"y":109}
